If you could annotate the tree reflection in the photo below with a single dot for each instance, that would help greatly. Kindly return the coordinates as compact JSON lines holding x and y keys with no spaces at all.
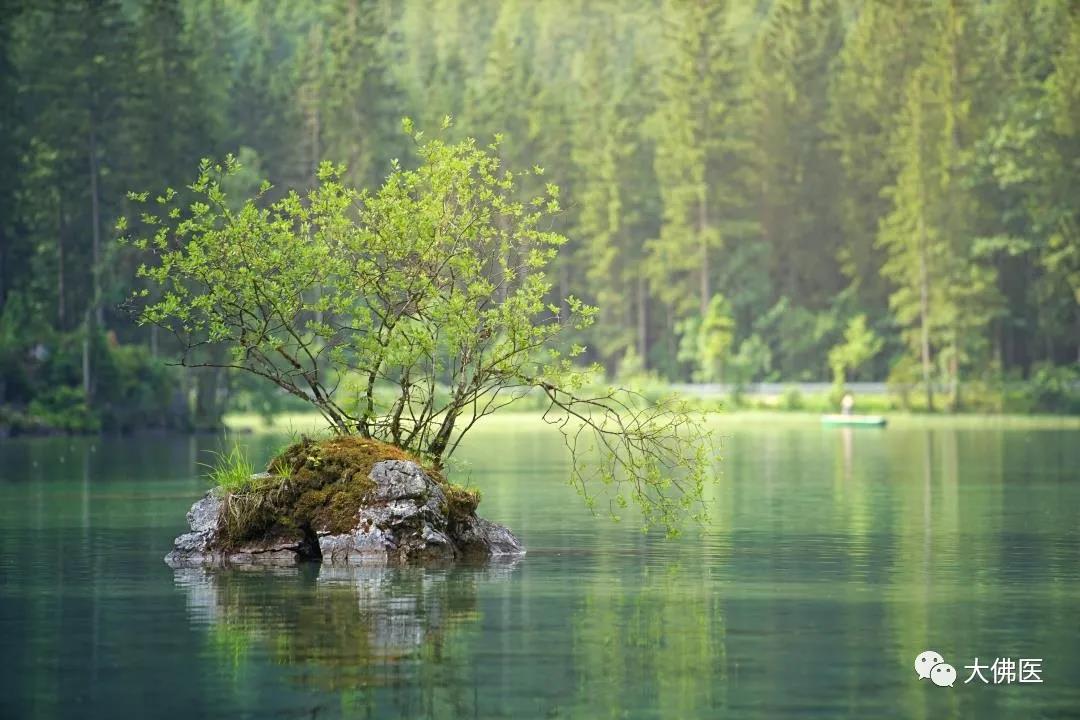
{"x":344,"y":629}
{"x":656,"y":637}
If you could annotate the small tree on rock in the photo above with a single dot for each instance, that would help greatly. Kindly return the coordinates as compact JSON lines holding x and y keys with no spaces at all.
{"x":408,"y":314}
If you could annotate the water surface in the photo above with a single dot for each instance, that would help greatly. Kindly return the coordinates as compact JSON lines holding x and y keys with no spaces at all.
{"x":833,"y":557}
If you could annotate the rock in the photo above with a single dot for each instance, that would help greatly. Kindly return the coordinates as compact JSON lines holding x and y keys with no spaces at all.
{"x":204,"y":546}
{"x":198,"y":546}
{"x":400,"y":479}
{"x":477,"y":536}
{"x":404,"y":516}
{"x":363,"y":544}
{"x":203,"y":515}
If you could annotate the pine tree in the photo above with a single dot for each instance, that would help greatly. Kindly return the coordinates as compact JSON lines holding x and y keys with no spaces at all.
{"x":798,"y":167}
{"x":881,"y":46}
{"x":500,"y":93}
{"x":10,"y":128}
{"x":431,"y":59}
{"x":165,"y":144}
{"x":79,"y":87}
{"x":263,"y":106}
{"x":1057,"y":215}
{"x":360,"y":103}
{"x":212,"y":36}
{"x":698,"y":148}
{"x":607,"y":188}
{"x":943,"y":297}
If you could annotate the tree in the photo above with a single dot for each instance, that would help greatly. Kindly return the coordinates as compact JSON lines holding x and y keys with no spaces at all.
{"x":797,"y":167}
{"x":360,"y":96}
{"x":613,"y":190}
{"x":796,"y":172}
{"x":860,"y":346}
{"x":163,"y":144}
{"x":698,"y":149}
{"x":9,"y":152}
{"x":505,"y":85}
{"x":753,"y":360}
{"x":943,"y":295}
{"x":910,"y":236}
{"x":161,"y":147}
{"x":78,"y":94}
{"x":423,"y":325}
{"x":1057,"y":215}
{"x":881,"y":47}
{"x":707,"y":342}
{"x":263,"y":99}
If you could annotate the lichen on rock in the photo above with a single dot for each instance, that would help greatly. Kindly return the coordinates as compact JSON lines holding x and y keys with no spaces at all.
{"x":343,"y":500}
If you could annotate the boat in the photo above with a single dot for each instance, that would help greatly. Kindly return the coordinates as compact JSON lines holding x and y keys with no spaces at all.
{"x":854,"y":420}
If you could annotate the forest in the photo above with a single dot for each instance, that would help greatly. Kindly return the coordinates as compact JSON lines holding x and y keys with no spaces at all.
{"x":766,"y":190}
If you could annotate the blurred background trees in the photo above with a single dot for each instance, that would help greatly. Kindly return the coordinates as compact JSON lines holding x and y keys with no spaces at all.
{"x":745,"y":184}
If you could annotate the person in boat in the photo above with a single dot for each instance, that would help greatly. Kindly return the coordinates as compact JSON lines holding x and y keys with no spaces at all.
{"x":847,"y":404}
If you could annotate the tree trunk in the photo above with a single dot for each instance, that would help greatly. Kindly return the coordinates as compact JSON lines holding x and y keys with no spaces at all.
{"x":3,"y":297}
{"x":315,"y":130}
{"x":179,"y":413}
{"x":1076,"y":312}
{"x":924,"y":314}
{"x":93,"y":320}
{"x":642,"y":322}
{"x":669,"y":338}
{"x":95,"y":229}
{"x":955,"y":171}
{"x":208,"y":408}
{"x":703,"y":226}
{"x":60,"y":314}
{"x":954,"y":372}
{"x":3,"y":269}
{"x":86,"y":381}
{"x":442,"y":438}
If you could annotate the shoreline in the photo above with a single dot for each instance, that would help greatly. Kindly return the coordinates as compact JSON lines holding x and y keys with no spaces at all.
{"x":311,"y":422}
{"x":302,"y":422}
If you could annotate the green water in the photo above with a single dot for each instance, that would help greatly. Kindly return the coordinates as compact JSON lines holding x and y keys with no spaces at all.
{"x":832,"y":559}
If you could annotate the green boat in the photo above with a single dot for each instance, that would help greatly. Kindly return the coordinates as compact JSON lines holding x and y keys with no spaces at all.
{"x":854,"y":420}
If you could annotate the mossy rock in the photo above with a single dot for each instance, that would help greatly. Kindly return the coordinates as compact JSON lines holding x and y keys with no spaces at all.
{"x":317,"y":487}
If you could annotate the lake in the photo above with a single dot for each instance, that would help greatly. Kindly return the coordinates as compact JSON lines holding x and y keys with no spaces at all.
{"x":832,"y":558}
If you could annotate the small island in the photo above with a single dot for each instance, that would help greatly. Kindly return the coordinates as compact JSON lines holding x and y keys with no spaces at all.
{"x":341,"y":501}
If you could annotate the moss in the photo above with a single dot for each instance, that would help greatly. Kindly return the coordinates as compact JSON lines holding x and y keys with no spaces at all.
{"x":462,"y":501}
{"x":319,"y":486}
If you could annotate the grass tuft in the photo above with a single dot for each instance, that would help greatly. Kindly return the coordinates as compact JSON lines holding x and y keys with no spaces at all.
{"x":232,"y":470}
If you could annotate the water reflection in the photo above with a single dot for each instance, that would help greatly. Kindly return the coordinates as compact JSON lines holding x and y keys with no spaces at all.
{"x":341,"y":628}
{"x":654,"y":636}
{"x":832,"y":559}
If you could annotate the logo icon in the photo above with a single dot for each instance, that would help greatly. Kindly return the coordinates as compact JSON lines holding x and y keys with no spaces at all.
{"x":930,"y":665}
{"x":943,"y":675}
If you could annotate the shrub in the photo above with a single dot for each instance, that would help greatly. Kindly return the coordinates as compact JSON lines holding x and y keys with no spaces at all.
{"x":792,"y":399}
{"x":64,"y":408}
{"x":133,"y":390}
{"x":1055,"y":389}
